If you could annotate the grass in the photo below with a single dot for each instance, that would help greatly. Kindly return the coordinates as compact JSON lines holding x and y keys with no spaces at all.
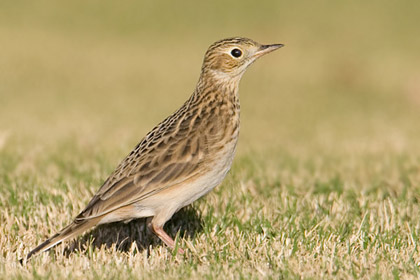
{"x":326,"y":182}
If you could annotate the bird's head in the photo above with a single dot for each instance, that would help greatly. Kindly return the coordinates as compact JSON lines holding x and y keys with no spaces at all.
{"x":229,"y":58}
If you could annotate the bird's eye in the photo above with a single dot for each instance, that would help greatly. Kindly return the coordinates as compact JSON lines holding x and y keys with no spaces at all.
{"x":236,"y":53}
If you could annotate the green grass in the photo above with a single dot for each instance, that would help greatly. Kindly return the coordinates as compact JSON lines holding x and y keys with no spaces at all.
{"x":326,"y":182}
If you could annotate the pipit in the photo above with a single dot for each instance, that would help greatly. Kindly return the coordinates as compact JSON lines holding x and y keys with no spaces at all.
{"x":183,"y":157}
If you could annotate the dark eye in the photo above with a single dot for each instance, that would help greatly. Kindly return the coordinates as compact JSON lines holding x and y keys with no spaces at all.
{"x":236,"y":53}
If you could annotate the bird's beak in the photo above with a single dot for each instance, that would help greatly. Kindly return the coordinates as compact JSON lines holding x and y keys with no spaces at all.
{"x":264,"y":49}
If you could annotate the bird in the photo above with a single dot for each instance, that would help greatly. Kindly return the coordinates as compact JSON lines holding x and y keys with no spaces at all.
{"x":182,"y":158}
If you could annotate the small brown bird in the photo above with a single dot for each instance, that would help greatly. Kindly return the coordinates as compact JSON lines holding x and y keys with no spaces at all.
{"x":182,"y":158}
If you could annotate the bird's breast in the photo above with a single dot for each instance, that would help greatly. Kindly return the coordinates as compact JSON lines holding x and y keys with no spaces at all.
{"x":221,"y":134}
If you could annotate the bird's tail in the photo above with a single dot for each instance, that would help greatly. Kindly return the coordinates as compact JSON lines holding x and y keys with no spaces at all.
{"x":72,"y":230}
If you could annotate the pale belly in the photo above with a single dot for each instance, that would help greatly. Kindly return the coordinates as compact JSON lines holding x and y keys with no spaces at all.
{"x":211,"y":179}
{"x":186,"y":194}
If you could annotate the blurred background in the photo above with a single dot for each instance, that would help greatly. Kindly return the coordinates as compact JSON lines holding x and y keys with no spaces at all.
{"x":95,"y":76}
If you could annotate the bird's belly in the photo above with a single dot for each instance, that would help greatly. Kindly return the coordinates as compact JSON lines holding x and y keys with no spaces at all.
{"x":183,"y":194}
{"x":218,"y":168}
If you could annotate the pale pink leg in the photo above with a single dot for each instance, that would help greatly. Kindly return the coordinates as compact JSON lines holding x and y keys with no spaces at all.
{"x":164,"y":237}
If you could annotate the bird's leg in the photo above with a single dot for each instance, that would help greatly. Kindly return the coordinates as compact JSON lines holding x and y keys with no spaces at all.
{"x":158,"y":230}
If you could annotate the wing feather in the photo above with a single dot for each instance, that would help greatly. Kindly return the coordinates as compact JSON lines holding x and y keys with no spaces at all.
{"x":140,"y":185}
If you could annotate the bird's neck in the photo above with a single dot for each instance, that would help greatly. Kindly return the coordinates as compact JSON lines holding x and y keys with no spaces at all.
{"x":219,"y":85}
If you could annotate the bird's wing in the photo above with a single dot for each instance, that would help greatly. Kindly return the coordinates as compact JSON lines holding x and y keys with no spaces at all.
{"x":147,"y":171}
{"x":134,"y":189}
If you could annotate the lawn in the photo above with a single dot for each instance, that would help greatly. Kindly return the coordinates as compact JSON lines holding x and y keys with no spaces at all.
{"x":326,"y":180}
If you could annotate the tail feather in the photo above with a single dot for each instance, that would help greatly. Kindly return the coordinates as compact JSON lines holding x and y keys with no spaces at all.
{"x":72,"y":230}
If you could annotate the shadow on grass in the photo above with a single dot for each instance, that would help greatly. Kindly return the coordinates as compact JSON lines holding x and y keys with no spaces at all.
{"x":187,"y":221}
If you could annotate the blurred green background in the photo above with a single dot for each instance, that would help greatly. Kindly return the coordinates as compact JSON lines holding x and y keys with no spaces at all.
{"x":99,"y":74}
